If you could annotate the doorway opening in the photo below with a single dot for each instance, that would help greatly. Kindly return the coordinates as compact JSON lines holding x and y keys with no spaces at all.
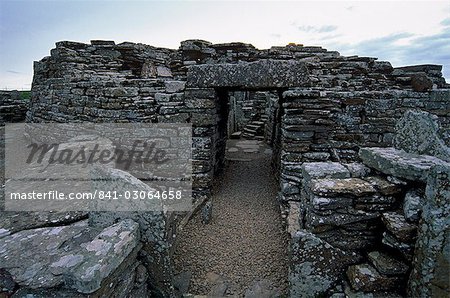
{"x":243,"y":249}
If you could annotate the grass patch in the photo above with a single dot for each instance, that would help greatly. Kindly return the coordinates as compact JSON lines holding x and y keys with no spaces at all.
{"x":25,"y":95}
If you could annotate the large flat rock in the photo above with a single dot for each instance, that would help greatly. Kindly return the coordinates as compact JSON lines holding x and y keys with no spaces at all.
{"x":316,"y":265}
{"x":261,"y":74}
{"x":14,"y":221}
{"x":315,"y":170}
{"x":418,"y":132}
{"x":364,"y":277}
{"x":399,"y":163}
{"x":73,"y":256}
{"x":338,"y":187}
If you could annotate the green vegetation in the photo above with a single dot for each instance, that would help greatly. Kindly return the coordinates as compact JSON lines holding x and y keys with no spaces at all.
{"x":25,"y":95}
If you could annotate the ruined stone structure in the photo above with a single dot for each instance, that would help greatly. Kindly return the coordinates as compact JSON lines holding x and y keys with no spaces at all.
{"x":12,"y":107}
{"x":352,"y":202}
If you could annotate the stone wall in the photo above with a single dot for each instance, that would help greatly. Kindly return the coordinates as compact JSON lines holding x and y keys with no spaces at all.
{"x":342,"y":103}
{"x":12,"y":107}
{"x":325,"y":125}
{"x":383,"y":222}
{"x":328,"y":107}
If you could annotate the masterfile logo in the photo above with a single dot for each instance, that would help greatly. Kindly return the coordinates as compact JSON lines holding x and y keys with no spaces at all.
{"x":98,"y":167}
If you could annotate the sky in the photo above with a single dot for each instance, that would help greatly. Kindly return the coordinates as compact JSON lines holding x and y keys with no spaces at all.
{"x":404,"y":33}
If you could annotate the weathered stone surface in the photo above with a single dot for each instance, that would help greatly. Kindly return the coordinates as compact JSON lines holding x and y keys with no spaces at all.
{"x":357,"y":170}
{"x":7,"y":283}
{"x":366,"y":278}
{"x":207,"y":212}
{"x":335,"y":187}
{"x":324,"y":203}
{"x":153,"y":225}
{"x":293,"y":217}
{"x":350,"y":240}
{"x":399,"y":227}
{"x":105,"y":253}
{"x":418,"y":132}
{"x":320,"y":223}
{"x":12,"y":222}
{"x":315,"y":170}
{"x":406,"y":249}
{"x":174,"y":86}
{"x":261,"y":289}
{"x":351,"y":293}
{"x":73,"y":256}
{"x":420,"y":82}
{"x":386,"y":264}
{"x":398,"y":163}
{"x":383,"y":186}
{"x":33,"y":261}
{"x":181,"y":282}
{"x":316,"y":265}
{"x":412,"y":205}
{"x":429,"y":277}
{"x":12,"y":107}
{"x":261,"y":74}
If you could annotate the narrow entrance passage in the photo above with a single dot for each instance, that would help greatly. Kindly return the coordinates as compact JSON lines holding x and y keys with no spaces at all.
{"x":243,"y":249}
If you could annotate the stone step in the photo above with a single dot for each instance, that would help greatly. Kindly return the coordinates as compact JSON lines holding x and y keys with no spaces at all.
{"x":364,"y":277}
{"x":249,"y":130}
{"x":386,"y":264}
{"x":396,"y":224}
{"x":236,"y":135}
{"x":406,"y":249}
{"x":259,"y":123}
{"x":252,"y":126}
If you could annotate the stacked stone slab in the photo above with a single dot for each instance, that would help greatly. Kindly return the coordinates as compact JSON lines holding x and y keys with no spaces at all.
{"x":353,"y":209}
{"x":320,"y":125}
{"x":418,"y":231}
{"x":381,"y":214}
{"x":365,"y":213}
{"x":345,"y":210}
{"x":422,"y":77}
{"x":12,"y":107}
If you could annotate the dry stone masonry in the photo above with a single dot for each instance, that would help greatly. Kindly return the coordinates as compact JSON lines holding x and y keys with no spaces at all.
{"x":12,"y":107}
{"x":360,"y":150}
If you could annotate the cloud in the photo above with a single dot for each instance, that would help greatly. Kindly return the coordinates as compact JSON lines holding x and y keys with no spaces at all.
{"x":437,"y":44}
{"x":431,"y":49}
{"x":446,"y":22}
{"x":14,"y":72}
{"x":377,"y":47}
{"x":329,"y":36}
{"x":316,"y":29}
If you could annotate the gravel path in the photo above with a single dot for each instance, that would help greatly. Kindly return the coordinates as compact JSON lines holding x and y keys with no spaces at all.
{"x":245,"y":242}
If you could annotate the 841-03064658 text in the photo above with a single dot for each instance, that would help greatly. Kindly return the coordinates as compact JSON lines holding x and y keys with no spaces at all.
{"x":99,"y":195}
